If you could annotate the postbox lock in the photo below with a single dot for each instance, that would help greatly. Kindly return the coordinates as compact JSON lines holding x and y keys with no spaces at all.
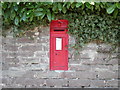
{"x":58,"y":45}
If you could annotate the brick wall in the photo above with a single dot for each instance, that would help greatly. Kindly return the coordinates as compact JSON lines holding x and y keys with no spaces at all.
{"x":25,"y":63}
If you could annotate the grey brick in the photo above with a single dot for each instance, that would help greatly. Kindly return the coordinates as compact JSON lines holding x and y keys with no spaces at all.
{"x":29,"y":74}
{"x":36,"y":67}
{"x":80,"y":67}
{"x":8,"y":40}
{"x":91,"y":46}
{"x":104,"y":48}
{"x":32,"y":48}
{"x":105,"y":74}
{"x":6,"y":80}
{"x":8,"y":66}
{"x":101,"y":58}
{"x":13,"y":73}
{"x":29,"y":81}
{"x":86,"y":74}
{"x":44,"y":32}
{"x":97,"y":83}
{"x":24,"y":40}
{"x":11,"y":60}
{"x":48,"y":74}
{"x":79,"y":83}
{"x":84,"y":56}
{"x":30,"y":60}
{"x":73,"y":62}
{"x":89,"y":62}
{"x":13,"y":54}
{"x":115,"y":55}
{"x":45,"y":48}
{"x":12,"y":47}
{"x":114,"y":67}
{"x":44,"y":60}
{"x":56,"y":83}
{"x":101,"y":67}
{"x":5,"y":67}
{"x":25,"y":54}
{"x":4,"y":54}
{"x":113,"y":61}
{"x":43,"y":40}
{"x":112,"y":83}
{"x":69,"y":75}
{"x":41,"y":54}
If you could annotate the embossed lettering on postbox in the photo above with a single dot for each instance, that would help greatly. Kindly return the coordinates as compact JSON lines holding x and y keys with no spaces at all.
{"x":58,"y":43}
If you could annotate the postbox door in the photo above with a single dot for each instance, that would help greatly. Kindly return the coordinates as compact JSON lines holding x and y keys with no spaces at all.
{"x":59,"y":52}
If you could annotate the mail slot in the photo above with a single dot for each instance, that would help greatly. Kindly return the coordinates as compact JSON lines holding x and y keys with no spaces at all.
{"x":59,"y":45}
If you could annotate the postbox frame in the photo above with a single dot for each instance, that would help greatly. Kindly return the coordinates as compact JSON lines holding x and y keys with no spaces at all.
{"x":59,"y":34}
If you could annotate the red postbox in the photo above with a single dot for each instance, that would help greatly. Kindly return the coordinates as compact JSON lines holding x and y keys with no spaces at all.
{"x":59,"y":45}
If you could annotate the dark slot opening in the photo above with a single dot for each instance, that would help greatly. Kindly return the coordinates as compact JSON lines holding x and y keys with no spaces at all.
{"x":59,"y":30}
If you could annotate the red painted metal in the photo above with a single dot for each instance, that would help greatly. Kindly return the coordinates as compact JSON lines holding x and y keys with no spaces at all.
{"x":59,"y":58}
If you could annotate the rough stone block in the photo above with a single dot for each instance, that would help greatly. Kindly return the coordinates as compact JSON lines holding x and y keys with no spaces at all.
{"x":13,"y":54}
{"x":105,"y":74}
{"x":112,"y":83}
{"x":84,"y":56}
{"x":113,"y":61}
{"x":43,"y":40}
{"x":13,"y":73}
{"x":8,"y":66}
{"x":37,"y":67}
{"x":48,"y":74}
{"x":115,"y":55}
{"x":91,"y":46}
{"x":41,"y":54}
{"x":88,"y":62}
{"x":56,"y":83}
{"x":29,"y":81}
{"x":68,"y":75}
{"x":97,"y":83}
{"x":5,"y":67}
{"x":86,"y":74}
{"x":80,"y":67}
{"x":12,"y":47}
{"x":45,"y":48}
{"x":10,"y":60}
{"x":24,"y":40}
{"x":74,"y":62}
{"x":25,"y":54}
{"x":79,"y":83}
{"x":44,"y":60}
{"x":101,"y":67}
{"x":8,"y":40}
{"x":6,"y":80}
{"x":101,"y":58}
{"x":31,"y":48}
{"x":114,"y":67}
{"x":5,"y":54}
{"x":104,"y":48}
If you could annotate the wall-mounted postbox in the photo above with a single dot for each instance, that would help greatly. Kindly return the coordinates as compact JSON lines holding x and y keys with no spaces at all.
{"x":59,"y":45}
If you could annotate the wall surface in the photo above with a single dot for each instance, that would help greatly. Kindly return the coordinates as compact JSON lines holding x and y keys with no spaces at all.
{"x":25,"y":64}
